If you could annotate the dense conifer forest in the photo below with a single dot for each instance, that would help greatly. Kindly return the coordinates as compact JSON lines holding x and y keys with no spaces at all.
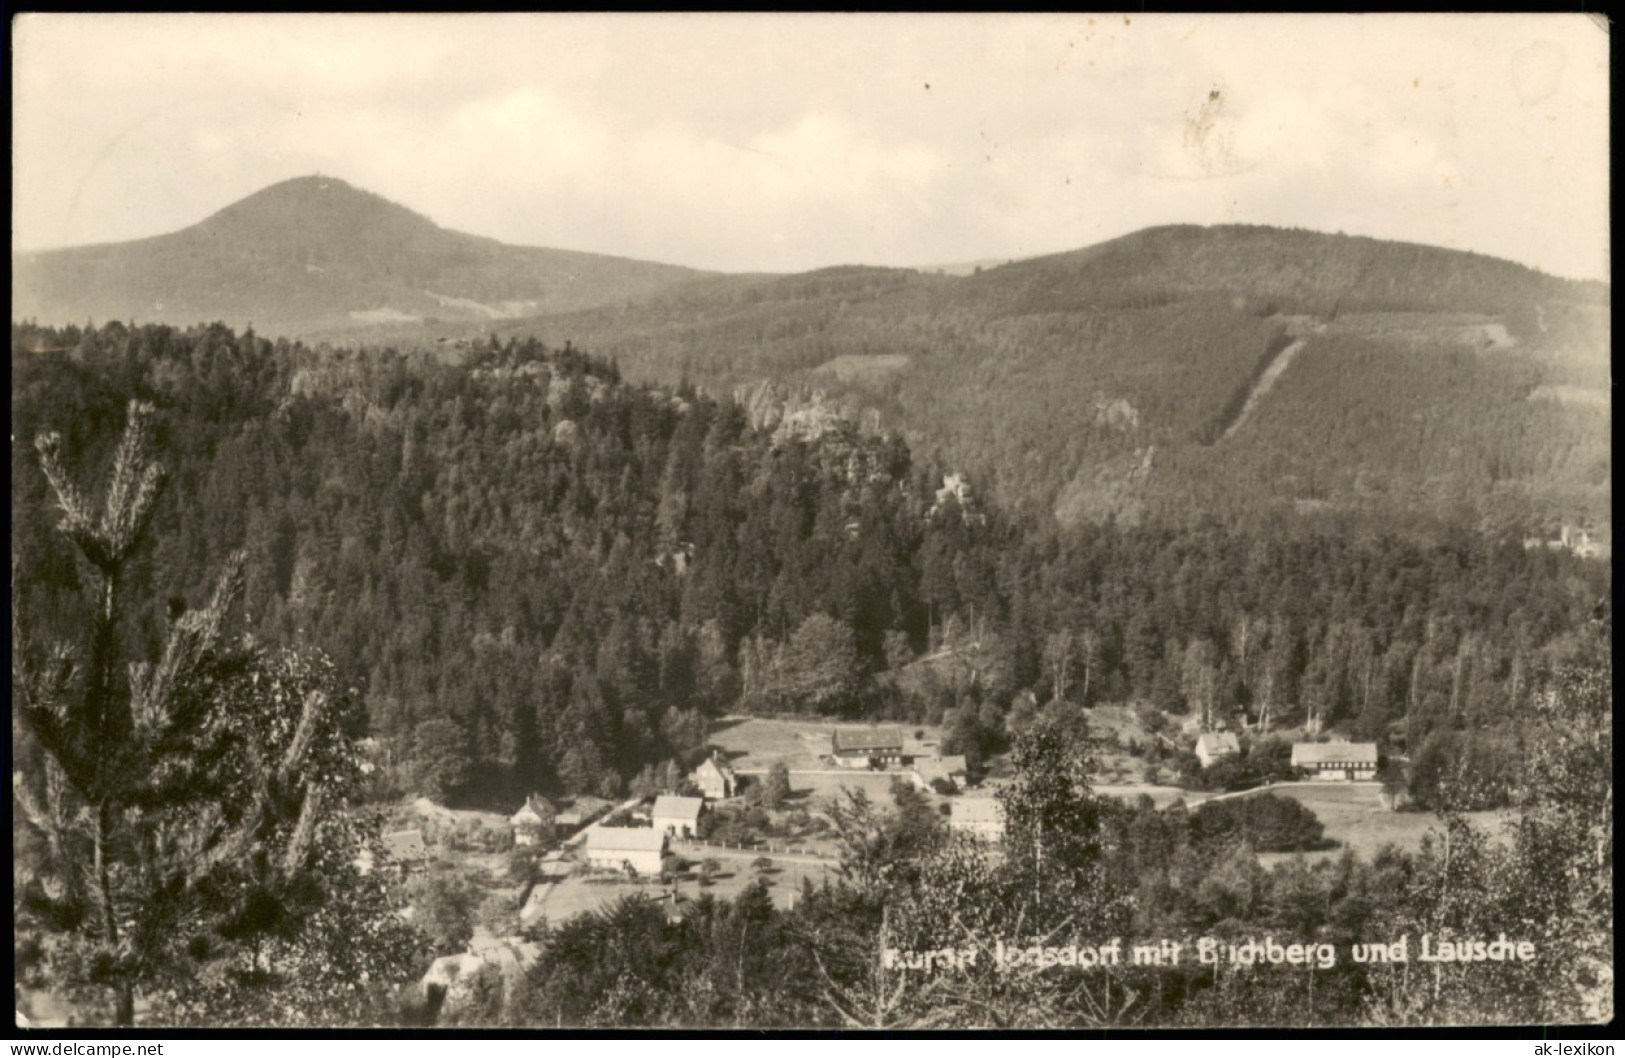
{"x":548,"y":579}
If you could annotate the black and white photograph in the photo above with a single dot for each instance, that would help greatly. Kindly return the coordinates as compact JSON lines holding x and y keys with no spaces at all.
{"x":811,"y":523}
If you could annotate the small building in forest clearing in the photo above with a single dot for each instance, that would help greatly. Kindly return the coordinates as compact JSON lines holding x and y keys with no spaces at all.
{"x":533,"y":823}
{"x":867,"y":747}
{"x":1336,"y":761}
{"x":715,"y":779}
{"x":1216,"y":745}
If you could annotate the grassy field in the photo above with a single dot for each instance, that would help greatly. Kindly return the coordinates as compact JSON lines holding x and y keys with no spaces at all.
{"x":1356,"y":818}
{"x":1161,"y":796}
{"x":757,"y":743}
{"x":575,"y":895}
{"x":754,"y":743}
{"x":820,"y":789}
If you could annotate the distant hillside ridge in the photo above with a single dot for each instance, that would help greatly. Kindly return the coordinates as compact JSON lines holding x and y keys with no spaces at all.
{"x":1181,"y":372}
{"x":312,"y":253}
{"x":1171,"y":374}
{"x":1277,"y":270}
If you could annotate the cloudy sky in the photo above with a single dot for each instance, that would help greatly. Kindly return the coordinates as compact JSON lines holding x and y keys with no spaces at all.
{"x":781,"y":143}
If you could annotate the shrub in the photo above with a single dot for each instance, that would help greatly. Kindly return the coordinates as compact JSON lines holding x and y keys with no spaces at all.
{"x":525,"y":864}
{"x":1269,"y":822}
{"x":499,"y":913}
{"x":445,"y":902}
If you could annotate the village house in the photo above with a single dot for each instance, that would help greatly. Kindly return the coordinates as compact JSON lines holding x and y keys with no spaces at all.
{"x":533,"y":823}
{"x":867,"y":748}
{"x":405,"y":849}
{"x":637,"y":850}
{"x":980,"y":817}
{"x":1336,"y":761}
{"x":715,"y":779}
{"x":927,"y":769}
{"x":1215,"y":746}
{"x":678,"y":816}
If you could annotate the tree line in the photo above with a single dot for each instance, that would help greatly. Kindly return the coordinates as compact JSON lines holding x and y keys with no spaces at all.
{"x":528,"y":574}
{"x":542,"y":578}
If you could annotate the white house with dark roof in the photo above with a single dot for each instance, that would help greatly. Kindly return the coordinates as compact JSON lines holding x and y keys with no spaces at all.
{"x":533,"y":823}
{"x":678,"y":816}
{"x":1215,"y":746}
{"x":1336,"y":761}
{"x":635,"y":849}
{"x":715,"y":779}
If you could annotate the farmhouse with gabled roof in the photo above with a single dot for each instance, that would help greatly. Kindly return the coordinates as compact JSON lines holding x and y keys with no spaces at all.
{"x":867,"y":747}
{"x":533,"y":823}
{"x":715,"y":779}
{"x":1345,"y":761}
{"x":678,"y":816}
{"x":635,"y":849}
{"x":1216,"y":745}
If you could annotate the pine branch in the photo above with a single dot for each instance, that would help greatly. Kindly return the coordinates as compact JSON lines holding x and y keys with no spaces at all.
{"x":137,"y":480}
{"x":195,"y":637}
{"x":76,"y":522}
{"x":305,"y":831}
{"x":311,"y":718}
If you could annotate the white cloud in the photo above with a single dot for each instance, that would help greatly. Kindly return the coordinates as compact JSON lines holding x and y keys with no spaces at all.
{"x":795,"y":141}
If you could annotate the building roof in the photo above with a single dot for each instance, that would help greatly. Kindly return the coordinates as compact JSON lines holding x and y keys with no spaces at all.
{"x":626,"y":839}
{"x":718,"y":766}
{"x":858,"y":739}
{"x":975,"y":810}
{"x":581,"y":808}
{"x":1217,"y":742}
{"x":405,"y":844}
{"x":668,"y":806}
{"x":1333,"y":753}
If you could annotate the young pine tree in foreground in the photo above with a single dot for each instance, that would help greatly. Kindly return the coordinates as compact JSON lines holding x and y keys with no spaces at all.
{"x":184,"y":843}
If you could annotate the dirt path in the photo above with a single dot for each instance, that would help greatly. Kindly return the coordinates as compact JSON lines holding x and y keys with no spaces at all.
{"x":1377,"y":786}
{"x":1262,"y":386}
{"x":692,"y":849}
{"x":903,"y":772}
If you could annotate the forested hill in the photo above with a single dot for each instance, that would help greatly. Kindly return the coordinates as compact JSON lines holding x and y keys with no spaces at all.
{"x":1164,"y":376}
{"x":1397,"y":382}
{"x":314,"y":253}
{"x":543,"y":577}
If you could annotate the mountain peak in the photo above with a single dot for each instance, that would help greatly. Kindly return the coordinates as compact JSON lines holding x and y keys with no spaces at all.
{"x":315,"y":204}
{"x":316,"y":253}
